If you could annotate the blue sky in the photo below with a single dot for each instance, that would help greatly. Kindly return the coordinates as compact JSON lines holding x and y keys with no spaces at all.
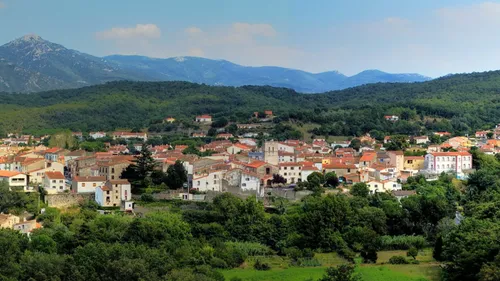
{"x":430,"y":37}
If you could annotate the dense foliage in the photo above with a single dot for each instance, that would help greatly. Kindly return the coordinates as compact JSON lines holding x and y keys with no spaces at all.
{"x":459,"y":104}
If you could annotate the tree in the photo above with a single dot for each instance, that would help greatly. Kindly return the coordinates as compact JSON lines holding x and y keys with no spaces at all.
{"x":344,"y":272}
{"x":278,"y":179}
{"x":141,"y":168}
{"x":355,"y":143}
{"x":412,"y":252}
{"x":360,"y":189}
{"x":490,"y":135}
{"x":316,"y":178}
{"x":176,"y":175}
{"x":331,"y":179}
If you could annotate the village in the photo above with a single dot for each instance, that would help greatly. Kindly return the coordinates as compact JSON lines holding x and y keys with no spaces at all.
{"x":235,"y":164}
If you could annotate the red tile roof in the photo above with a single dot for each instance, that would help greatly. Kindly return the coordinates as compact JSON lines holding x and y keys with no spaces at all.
{"x":256,"y":164}
{"x":88,"y":179}
{"x":8,"y":174}
{"x":55,"y":175}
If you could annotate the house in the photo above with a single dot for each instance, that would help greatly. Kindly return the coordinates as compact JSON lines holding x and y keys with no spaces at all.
{"x":455,"y":162}
{"x":392,"y":118}
{"x":78,"y":135}
{"x":401,"y":194}
{"x":382,"y":172}
{"x":169,"y":120}
{"x":97,"y":135}
{"x":15,"y":179}
{"x":285,"y":156}
{"x":210,"y":181}
{"x":73,"y":155}
{"x":8,"y":221}
{"x":421,"y":139}
{"x":291,"y":171}
{"x":442,"y":134}
{"x":129,"y":135}
{"x":482,"y":134}
{"x":387,"y":139}
{"x":54,"y":153}
{"x":367,"y":159}
{"x":383,"y":186}
{"x":340,"y":144}
{"x":340,"y":169}
{"x":413,"y":163}
{"x":204,"y":118}
{"x":247,"y":126}
{"x":27,"y":226}
{"x":396,"y":159}
{"x":238,"y":148}
{"x":86,"y":184}
{"x":112,"y":170}
{"x":113,"y":193}
{"x":268,"y":113}
{"x":54,"y":182}
{"x":224,"y":136}
{"x":199,"y":135}
{"x":37,"y":175}
{"x":307,"y":169}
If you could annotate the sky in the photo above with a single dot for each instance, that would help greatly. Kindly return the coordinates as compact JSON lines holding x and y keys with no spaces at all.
{"x":430,"y":37}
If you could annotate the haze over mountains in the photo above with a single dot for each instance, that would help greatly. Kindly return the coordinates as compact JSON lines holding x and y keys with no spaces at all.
{"x":31,"y":64}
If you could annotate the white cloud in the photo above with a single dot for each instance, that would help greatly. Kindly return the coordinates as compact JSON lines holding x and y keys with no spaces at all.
{"x":193,"y":30}
{"x":139,"y":31}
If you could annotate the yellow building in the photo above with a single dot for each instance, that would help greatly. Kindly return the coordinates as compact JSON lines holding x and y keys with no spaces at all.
{"x":413,"y":163}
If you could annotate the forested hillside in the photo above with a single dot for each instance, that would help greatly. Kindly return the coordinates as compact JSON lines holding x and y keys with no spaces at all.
{"x":460,"y":103}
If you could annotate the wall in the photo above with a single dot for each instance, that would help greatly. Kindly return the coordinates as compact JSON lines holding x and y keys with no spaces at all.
{"x":66,"y":199}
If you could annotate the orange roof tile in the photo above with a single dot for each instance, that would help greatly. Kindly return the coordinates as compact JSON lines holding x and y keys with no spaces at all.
{"x":55,"y":175}
{"x":8,"y":174}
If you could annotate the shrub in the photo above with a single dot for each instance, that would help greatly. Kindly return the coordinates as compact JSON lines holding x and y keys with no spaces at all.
{"x":250,"y":248}
{"x":146,"y":197}
{"x":412,"y":252}
{"x":308,"y":262}
{"x":398,"y":260}
{"x":402,"y":242}
{"x":218,"y":263}
{"x":261,"y":265}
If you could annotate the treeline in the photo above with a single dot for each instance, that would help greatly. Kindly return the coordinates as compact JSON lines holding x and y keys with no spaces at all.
{"x":459,"y":104}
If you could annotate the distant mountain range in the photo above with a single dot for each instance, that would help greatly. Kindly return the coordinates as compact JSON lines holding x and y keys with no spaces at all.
{"x":31,"y":64}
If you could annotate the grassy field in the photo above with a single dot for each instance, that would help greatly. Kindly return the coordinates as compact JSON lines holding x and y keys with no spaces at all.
{"x":427,"y":270}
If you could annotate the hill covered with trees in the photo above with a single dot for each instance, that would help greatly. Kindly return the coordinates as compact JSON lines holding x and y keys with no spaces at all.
{"x":460,"y":104}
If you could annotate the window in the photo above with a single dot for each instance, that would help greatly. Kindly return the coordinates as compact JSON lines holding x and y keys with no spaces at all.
{"x":215,"y":182}
{"x":243,"y":184}
{"x":107,"y":192}
{"x":285,"y":174}
{"x":116,"y":197}
{"x":83,"y":184}
{"x":284,"y":168}
{"x":61,"y":181}
{"x":54,"y":181}
{"x":112,"y":177}
{"x":198,"y":183}
{"x":94,"y":185}
{"x":53,"y":187}
{"x":60,"y":187}
{"x":247,"y":179}
{"x":112,"y":170}
{"x":291,"y":168}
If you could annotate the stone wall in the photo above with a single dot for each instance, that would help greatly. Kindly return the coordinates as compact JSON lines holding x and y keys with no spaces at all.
{"x":65,"y":200}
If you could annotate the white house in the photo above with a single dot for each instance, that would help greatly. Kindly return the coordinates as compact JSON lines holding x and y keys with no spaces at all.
{"x":454,"y":162}
{"x":97,"y":135}
{"x":54,"y":182}
{"x":14,"y":179}
{"x":209,"y":182}
{"x":383,"y":186}
{"x":249,"y":181}
{"x":306,"y":171}
{"x":86,"y":184}
{"x":291,"y":171}
{"x":204,"y":118}
{"x":421,"y":139}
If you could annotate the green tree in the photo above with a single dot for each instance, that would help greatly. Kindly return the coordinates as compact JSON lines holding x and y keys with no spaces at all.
{"x":331,"y":179}
{"x":412,"y":252}
{"x":360,"y":189}
{"x":316,"y":178}
{"x":344,"y":272}
{"x":140,"y":171}
{"x":176,"y":175}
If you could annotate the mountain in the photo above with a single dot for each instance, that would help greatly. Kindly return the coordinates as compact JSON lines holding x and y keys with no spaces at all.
{"x":221,"y":72}
{"x":30,"y":64}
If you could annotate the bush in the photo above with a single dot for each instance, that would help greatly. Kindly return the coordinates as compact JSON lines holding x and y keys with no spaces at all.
{"x":308,"y":262}
{"x":398,"y":260}
{"x":250,"y":248}
{"x":218,"y":263}
{"x":146,"y":197}
{"x":402,"y":242}
{"x":261,"y":265}
{"x":412,"y":252}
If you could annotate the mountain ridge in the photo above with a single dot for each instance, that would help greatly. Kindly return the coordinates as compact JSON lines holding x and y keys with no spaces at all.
{"x":31,"y":64}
